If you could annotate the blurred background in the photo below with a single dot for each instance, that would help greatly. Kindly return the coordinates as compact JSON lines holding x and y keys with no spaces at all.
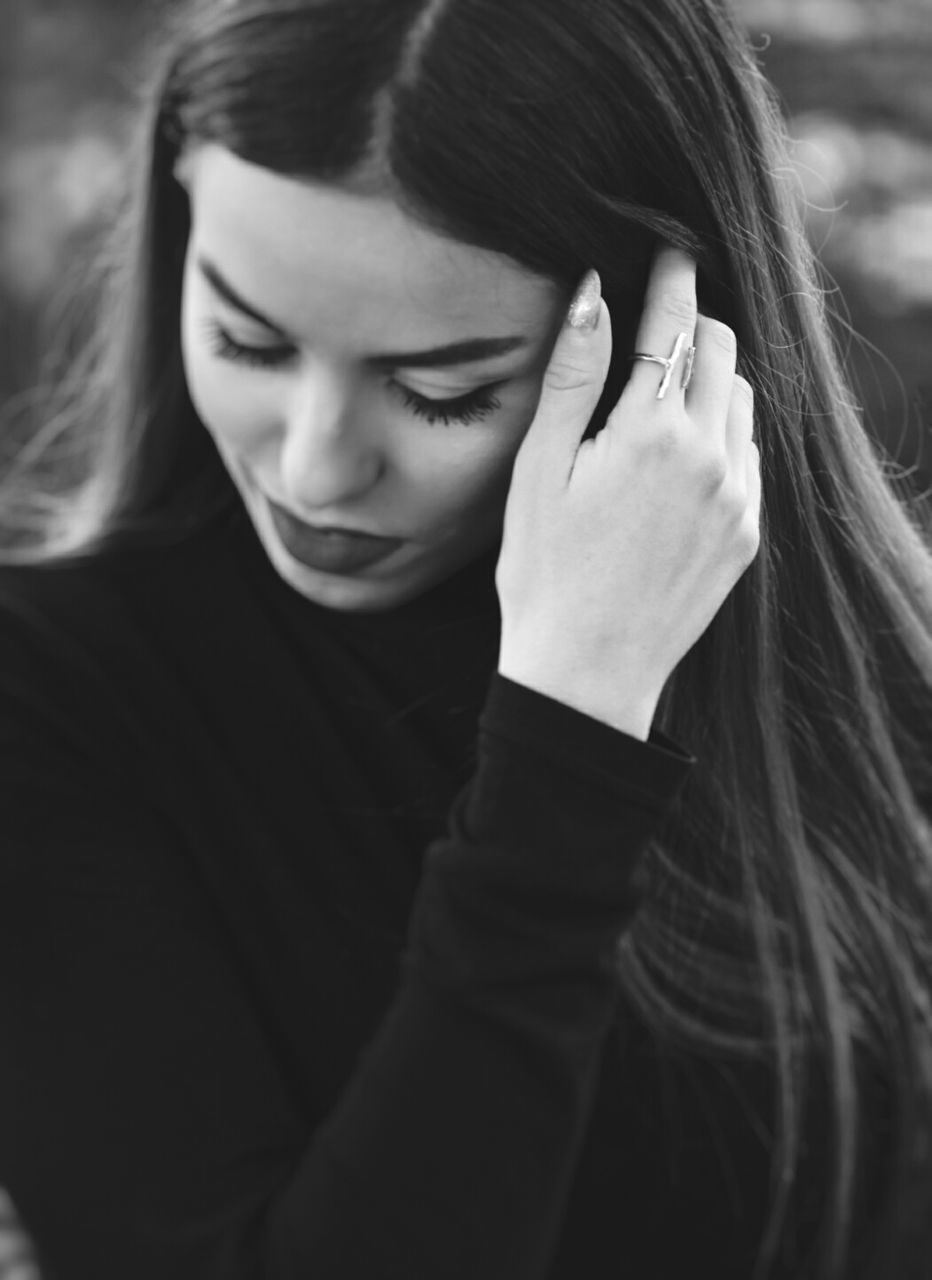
{"x":854,"y":78}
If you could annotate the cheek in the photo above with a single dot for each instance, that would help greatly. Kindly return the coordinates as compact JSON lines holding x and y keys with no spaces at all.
{"x":226,"y":402}
{"x":487,"y":473}
{"x":205,"y":387}
{"x":466,"y":482}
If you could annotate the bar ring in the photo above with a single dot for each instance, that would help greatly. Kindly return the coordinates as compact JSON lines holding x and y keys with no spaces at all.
{"x":669,"y":363}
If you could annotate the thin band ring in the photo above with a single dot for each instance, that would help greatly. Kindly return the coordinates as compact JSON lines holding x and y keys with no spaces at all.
{"x":669,"y":363}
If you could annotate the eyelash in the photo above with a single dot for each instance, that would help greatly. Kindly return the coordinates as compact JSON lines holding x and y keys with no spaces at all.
{"x":465,"y":409}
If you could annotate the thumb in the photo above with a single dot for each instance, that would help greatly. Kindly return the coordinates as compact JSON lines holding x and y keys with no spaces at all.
{"x":575,"y":376}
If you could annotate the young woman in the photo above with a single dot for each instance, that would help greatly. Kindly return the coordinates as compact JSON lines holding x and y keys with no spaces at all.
{"x":466,"y":685}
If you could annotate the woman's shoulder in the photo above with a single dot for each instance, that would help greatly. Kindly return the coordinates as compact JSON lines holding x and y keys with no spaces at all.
{"x":49,"y":613}
{"x":80,"y":815}
{"x":57,"y":618}
{"x":90,"y":604}
{"x":83,"y":640}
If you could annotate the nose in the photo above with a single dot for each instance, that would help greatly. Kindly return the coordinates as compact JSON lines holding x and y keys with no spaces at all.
{"x":329,"y":454}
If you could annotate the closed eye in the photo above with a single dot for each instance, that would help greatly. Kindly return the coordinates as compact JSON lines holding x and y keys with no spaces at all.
{"x":470,"y":407}
{"x":225,"y":347}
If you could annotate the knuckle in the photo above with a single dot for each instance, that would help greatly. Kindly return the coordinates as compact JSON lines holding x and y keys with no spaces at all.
{"x":721,"y":335}
{"x":665,"y":440}
{"x":564,"y":376}
{"x":748,"y":540}
{"x":735,"y":496}
{"x":712,"y":472}
{"x":680,"y":306}
{"x":744,"y":390}
{"x":751,"y":551}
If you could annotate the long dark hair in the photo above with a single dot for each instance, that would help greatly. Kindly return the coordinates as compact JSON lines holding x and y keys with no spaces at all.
{"x":789,"y":915}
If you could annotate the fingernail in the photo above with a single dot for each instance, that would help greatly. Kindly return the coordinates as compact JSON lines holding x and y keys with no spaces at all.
{"x":585,"y":308}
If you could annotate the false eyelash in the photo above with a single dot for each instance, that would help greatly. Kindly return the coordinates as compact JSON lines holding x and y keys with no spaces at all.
{"x":465,"y":409}
{"x":224,"y":346}
{"x":472,"y":407}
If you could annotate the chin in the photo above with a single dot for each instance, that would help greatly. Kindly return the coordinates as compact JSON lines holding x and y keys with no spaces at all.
{"x":351,"y":595}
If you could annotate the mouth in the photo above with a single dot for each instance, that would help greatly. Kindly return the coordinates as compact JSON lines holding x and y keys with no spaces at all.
{"x":330,"y":550}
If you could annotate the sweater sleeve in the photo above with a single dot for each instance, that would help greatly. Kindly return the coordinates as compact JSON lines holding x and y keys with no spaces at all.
{"x":145,"y":1130}
{"x":454,"y":1145}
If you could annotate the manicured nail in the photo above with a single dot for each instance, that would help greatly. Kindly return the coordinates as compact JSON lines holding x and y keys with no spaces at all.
{"x":585,"y":308}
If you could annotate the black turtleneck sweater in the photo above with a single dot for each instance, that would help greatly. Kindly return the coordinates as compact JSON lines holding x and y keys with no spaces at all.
{"x":307,"y":925}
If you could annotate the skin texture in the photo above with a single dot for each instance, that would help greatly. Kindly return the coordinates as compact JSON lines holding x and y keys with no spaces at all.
{"x":347,"y":277}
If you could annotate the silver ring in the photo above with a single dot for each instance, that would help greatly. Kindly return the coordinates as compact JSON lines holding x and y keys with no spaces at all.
{"x":670,"y":363}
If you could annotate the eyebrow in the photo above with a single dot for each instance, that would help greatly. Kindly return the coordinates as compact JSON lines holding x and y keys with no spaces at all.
{"x":466,"y":351}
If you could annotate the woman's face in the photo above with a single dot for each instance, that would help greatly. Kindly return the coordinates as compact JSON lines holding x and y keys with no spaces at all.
{"x":359,"y":372}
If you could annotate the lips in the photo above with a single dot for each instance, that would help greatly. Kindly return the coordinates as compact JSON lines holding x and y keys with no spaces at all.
{"x":329,"y":550}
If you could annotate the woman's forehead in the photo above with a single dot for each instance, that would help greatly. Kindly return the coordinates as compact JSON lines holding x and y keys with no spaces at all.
{"x":309,"y":254}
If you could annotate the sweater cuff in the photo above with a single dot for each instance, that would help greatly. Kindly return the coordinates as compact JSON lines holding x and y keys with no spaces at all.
{"x":651,"y":772}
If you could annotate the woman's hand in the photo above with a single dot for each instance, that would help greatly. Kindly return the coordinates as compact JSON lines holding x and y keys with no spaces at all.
{"x":618,"y":551}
